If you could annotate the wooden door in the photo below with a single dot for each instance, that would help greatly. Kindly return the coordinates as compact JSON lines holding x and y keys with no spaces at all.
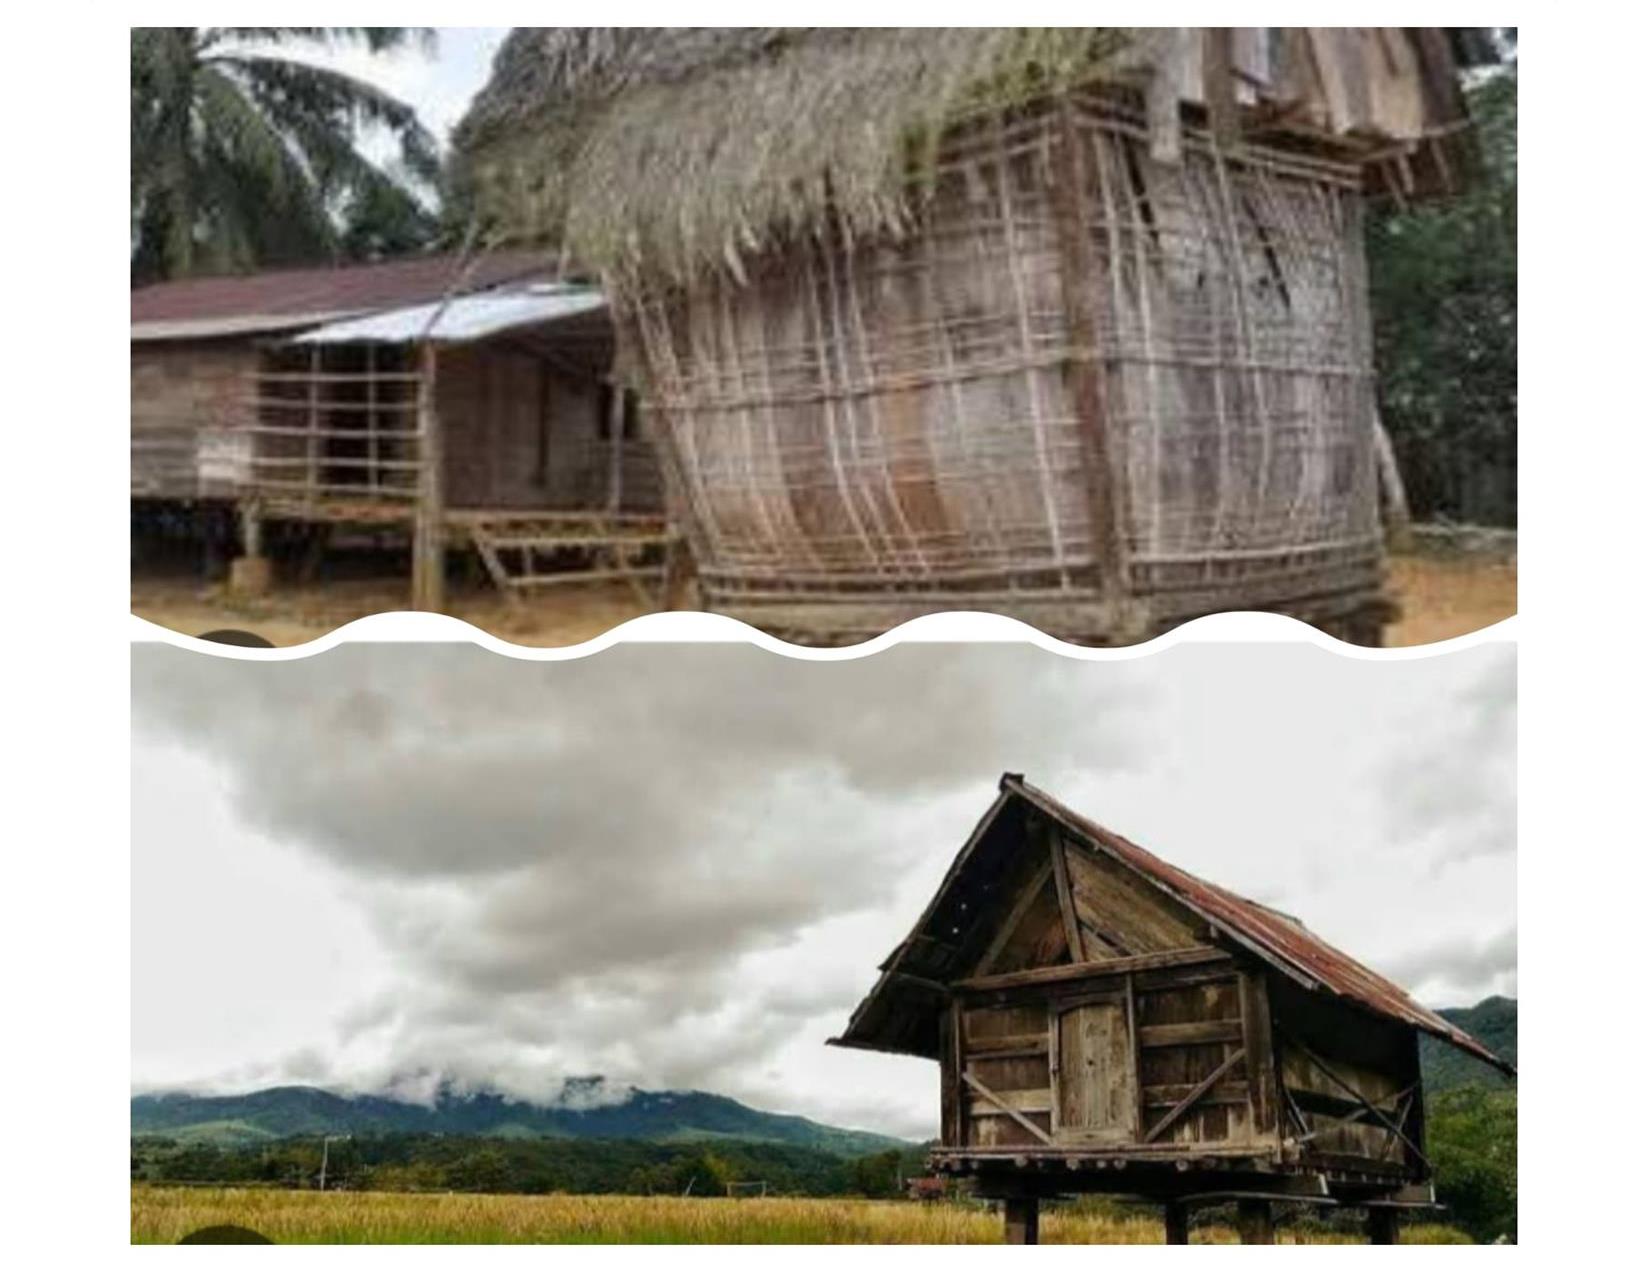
{"x":1096,"y":1098}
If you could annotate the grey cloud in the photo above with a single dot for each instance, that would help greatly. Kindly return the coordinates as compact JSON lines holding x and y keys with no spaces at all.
{"x":1471,"y":968}
{"x":570,"y":860}
{"x":1451,"y":797}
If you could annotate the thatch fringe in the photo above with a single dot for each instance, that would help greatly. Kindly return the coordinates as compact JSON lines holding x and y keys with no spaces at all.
{"x":677,"y":151}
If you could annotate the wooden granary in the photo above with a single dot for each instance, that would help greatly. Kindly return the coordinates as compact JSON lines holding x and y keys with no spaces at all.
{"x":1068,"y":324}
{"x":1106,"y":1022}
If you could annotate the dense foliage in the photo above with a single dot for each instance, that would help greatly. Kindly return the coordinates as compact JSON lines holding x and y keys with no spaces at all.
{"x":1472,"y":1139}
{"x":1444,"y":297}
{"x":245,"y":158}
{"x":543,"y":1166}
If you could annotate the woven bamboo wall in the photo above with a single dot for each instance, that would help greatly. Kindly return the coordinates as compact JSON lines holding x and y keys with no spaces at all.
{"x":862,"y":431}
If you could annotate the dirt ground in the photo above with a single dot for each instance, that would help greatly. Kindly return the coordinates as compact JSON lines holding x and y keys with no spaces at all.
{"x":1440,"y":594}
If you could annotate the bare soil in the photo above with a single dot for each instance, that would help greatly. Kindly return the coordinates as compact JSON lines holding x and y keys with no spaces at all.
{"x":1440,"y":595}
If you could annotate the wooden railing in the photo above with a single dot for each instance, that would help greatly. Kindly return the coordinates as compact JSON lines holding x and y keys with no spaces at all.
{"x":351,"y":436}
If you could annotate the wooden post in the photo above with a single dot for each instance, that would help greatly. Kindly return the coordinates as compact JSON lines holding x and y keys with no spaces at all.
{"x":1382,"y":1223}
{"x":1254,"y":1220}
{"x":615,"y":447}
{"x":373,"y":481}
{"x":1176,"y":1225}
{"x":1106,"y":473}
{"x":250,"y":574}
{"x":312,"y":442}
{"x":429,"y":528}
{"x":1019,"y":1220}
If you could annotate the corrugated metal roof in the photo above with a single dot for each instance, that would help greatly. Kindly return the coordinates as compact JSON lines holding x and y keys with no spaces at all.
{"x":1280,"y":940}
{"x":287,"y":299}
{"x":467,"y":317}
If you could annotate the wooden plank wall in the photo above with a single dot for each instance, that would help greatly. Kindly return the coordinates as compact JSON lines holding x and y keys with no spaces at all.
{"x":186,"y":397}
{"x":521,"y":434}
{"x":1164,"y":1044}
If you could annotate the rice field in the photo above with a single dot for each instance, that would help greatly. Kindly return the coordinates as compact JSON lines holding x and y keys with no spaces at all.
{"x":165,"y":1214}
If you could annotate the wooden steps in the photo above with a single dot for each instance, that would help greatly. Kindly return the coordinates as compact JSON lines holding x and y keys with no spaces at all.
{"x":525,"y":551}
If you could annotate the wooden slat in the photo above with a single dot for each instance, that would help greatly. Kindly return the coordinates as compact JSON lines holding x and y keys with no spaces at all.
{"x":1030,"y":1101}
{"x":1007,"y":1046}
{"x":1062,"y":887}
{"x":1055,"y":974}
{"x":1167,"y":1034}
{"x":1231,"y":1093}
{"x":1261,"y":1070}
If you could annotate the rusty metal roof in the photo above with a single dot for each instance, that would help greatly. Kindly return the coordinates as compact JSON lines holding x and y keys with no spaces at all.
{"x":287,"y":299}
{"x":1280,"y":940}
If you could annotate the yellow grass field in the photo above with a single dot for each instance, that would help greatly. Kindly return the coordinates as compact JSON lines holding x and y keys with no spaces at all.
{"x":165,"y":1214}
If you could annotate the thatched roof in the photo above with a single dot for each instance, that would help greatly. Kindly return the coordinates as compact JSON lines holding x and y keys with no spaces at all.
{"x":678,"y":149}
{"x":683,"y":148}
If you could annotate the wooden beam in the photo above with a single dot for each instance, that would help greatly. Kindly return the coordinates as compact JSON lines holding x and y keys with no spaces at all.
{"x":1188,"y":1101}
{"x":1219,"y":88}
{"x":1062,"y":886}
{"x":1382,"y":1225}
{"x":1056,"y":974}
{"x":1022,"y":905}
{"x":1105,"y":473}
{"x":1002,"y":1105}
{"x":1261,"y":1072}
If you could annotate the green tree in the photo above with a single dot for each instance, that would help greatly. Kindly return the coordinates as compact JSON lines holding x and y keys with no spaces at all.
{"x":702,"y":1174}
{"x":1472,"y":1138}
{"x":244,"y":157}
{"x":878,"y":1175}
{"x":1444,"y":299}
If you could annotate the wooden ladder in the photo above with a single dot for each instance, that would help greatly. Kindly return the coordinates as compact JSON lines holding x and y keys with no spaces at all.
{"x":525,"y":552}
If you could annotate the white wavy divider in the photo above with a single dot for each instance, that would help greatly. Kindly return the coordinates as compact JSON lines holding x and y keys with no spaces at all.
{"x":702,"y":627}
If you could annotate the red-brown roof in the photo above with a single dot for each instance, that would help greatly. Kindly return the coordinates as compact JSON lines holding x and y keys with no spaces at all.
{"x":289,"y":298}
{"x":1280,"y":940}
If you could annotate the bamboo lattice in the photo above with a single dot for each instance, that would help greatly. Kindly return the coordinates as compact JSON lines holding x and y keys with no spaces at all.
{"x":861,"y":422}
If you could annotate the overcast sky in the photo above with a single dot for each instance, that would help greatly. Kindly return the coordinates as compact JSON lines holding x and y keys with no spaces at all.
{"x":678,"y":866}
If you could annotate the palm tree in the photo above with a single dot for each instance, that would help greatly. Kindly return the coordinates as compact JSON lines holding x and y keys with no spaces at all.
{"x":242,"y":157}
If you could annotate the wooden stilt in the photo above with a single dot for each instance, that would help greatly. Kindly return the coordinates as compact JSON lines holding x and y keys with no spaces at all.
{"x":429,"y":532}
{"x":1020,"y":1220}
{"x":1176,"y":1226}
{"x":1382,"y":1223}
{"x":250,"y":574}
{"x":1254,"y":1220}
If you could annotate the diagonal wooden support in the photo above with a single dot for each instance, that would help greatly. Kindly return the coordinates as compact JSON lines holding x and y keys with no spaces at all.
{"x":1186,"y":1102}
{"x":1358,"y":1097}
{"x":1008,"y":1110}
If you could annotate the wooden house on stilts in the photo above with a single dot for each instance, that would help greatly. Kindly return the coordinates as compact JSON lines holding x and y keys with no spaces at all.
{"x":1068,"y":324}
{"x":449,"y":403}
{"x":1106,"y":1022}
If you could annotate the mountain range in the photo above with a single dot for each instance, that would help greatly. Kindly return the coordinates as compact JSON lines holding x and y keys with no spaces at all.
{"x":587,"y":1108}
{"x":590,"y":1108}
{"x":1493,"y":1022}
